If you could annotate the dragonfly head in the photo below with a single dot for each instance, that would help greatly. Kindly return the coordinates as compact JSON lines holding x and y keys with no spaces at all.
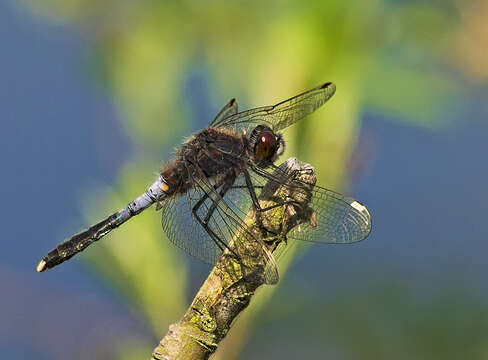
{"x":265,"y":145}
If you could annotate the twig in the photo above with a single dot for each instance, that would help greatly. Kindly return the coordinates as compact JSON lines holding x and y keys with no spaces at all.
{"x":228,"y":289}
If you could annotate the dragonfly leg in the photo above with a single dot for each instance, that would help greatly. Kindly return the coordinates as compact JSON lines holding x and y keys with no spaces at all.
{"x":204,"y":222}
{"x":226,"y":187}
{"x":260,"y":210}
{"x":254,"y":197}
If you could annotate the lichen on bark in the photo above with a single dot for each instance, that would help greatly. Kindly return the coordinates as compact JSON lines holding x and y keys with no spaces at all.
{"x":231,"y":284}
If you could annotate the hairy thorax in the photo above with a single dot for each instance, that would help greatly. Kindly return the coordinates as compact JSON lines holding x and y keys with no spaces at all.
{"x":210,"y":154}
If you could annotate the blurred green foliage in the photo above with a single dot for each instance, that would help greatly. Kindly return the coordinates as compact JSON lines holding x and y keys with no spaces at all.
{"x":386,"y":320}
{"x":398,"y":57}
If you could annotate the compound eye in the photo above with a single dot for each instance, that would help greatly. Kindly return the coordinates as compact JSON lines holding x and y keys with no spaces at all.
{"x":266,"y":146}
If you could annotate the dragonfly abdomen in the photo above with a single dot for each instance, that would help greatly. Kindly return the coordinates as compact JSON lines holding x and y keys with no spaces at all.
{"x":80,"y":241}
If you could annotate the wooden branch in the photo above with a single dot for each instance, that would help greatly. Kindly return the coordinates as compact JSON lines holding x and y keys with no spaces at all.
{"x":230,"y":286}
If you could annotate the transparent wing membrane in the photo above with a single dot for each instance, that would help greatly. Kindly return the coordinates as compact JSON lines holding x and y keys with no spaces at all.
{"x":207,"y":220}
{"x":338,"y":220}
{"x":281,"y":115}
{"x":229,"y":109}
{"x":182,"y":229}
{"x":224,"y":228}
{"x":332,"y":217}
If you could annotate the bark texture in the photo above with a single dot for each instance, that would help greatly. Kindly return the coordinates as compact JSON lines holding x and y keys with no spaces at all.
{"x":232,"y":283}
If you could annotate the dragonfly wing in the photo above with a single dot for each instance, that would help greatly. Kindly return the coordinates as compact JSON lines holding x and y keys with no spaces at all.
{"x":229,"y":109}
{"x":330,"y":217}
{"x":283,"y":114}
{"x":226,"y":222}
{"x":238,"y":235}
{"x":334,"y":219}
{"x":184,"y":231}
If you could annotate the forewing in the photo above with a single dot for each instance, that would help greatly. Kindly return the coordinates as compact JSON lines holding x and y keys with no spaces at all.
{"x":335,"y":219}
{"x":281,"y":115}
{"x":330,"y":217}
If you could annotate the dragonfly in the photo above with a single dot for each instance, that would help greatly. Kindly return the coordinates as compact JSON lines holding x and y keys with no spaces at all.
{"x":205,"y":192}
